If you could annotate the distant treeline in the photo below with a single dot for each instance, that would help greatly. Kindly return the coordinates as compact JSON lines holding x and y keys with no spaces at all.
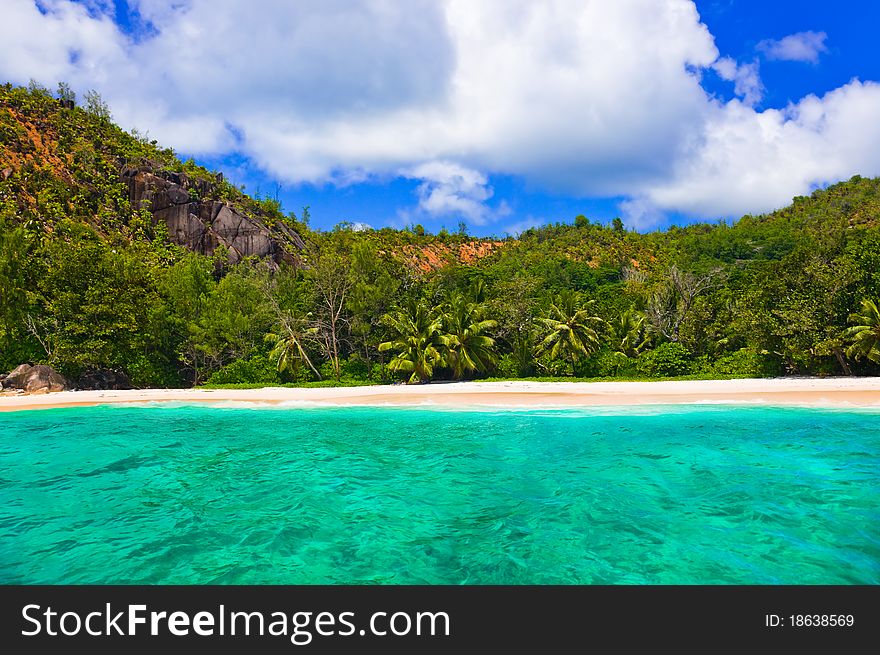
{"x":89,"y":283}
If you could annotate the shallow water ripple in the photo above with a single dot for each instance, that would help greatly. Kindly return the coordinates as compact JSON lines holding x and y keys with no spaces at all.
{"x":676,"y":495}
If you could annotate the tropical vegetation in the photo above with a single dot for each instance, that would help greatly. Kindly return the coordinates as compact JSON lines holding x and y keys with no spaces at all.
{"x":89,"y":281}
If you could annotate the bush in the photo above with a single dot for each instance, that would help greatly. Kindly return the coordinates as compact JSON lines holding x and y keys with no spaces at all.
{"x":666,"y":360}
{"x":149,"y":373}
{"x":326,"y":370}
{"x":507,"y":367}
{"x":553,"y":367}
{"x":258,"y":369}
{"x":381,"y":374}
{"x":354,"y":368}
{"x":745,"y":362}
{"x":606,"y":364}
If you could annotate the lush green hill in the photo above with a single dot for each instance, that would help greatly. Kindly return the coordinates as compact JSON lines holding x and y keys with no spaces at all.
{"x":62,"y":162}
{"x":116,"y":255}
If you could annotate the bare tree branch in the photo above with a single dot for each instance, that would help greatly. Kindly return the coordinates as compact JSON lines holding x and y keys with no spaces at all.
{"x":670,"y":304}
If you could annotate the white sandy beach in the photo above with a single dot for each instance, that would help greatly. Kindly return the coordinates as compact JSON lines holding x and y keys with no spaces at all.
{"x":818,"y":392}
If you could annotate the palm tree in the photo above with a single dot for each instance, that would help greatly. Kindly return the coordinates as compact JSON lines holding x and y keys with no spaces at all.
{"x":570,"y":330}
{"x":468,"y":348}
{"x":417,"y":341}
{"x":628,"y":334}
{"x":865,"y":334}
{"x":289,"y":346}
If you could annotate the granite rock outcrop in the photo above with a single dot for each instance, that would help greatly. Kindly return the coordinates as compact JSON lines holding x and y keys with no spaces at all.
{"x":202,"y":224}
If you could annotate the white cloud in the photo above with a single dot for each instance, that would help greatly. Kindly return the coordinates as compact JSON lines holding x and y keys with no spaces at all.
{"x":584,"y":97}
{"x":802,"y":46}
{"x":555,"y":90}
{"x":214,"y":64}
{"x":745,"y":77}
{"x":51,"y":44}
{"x":746,"y":161}
{"x":515,"y":229}
{"x":448,"y":189}
{"x":640,"y":213}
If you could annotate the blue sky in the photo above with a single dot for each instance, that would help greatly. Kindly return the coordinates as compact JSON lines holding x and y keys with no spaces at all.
{"x":740,"y":25}
{"x":501,"y":113}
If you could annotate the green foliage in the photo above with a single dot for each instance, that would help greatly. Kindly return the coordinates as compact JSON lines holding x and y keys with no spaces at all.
{"x":234,"y":319}
{"x":507,"y":367}
{"x":375,"y":281}
{"x":571,"y":332}
{"x":607,"y":363}
{"x":258,"y":369}
{"x":16,"y":345}
{"x":88,"y":281}
{"x":96,"y":106}
{"x":744,"y":363}
{"x":96,"y":306}
{"x":290,"y":346}
{"x":65,"y":93}
{"x":628,"y":333}
{"x":666,"y":360}
{"x":865,"y":333}
{"x":468,"y":349}
{"x":417,"y":341}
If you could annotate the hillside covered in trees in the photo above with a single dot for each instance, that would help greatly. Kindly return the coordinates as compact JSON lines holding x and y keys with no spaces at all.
{"x":115,"y":255}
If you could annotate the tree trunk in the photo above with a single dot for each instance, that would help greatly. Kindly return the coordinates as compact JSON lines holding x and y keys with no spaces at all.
{"x":367,"y":353}
{"x":335,"y":350}
{"x":842,"y":361}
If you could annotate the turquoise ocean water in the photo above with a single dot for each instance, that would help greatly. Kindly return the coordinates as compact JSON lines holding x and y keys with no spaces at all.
{"x":632,"y":495}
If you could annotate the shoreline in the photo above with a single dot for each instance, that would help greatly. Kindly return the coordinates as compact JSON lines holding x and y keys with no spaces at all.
{"x":802,"y":392}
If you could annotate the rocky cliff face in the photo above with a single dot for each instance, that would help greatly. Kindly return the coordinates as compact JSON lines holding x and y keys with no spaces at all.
{"x":202,"y":225}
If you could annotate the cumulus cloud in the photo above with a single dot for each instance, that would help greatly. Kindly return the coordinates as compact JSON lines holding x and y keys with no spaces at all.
{"x":641,"y":213}
{"x":57,"y":41}
{"x":746,"y":161}
{"x":210,"y":69}
{"x":555,"y":90}
{"x":517,"y":228}
{"x":745,"y":77}
{"x":802,"y":46}
{"x":448,"y":189}
{"x":583,"y":97}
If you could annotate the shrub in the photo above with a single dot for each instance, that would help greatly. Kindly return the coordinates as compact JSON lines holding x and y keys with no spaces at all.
{"x":606,"y":364}
{"x":507,"y":367}
{"x":145,"y":372}
{"x":354,"y":368}
{"x":326,"y":370}
{"x":745,"y":362}
{"x":553,"y":367}
{"x":258,"y":369}
{"x":666,"y":360}
{"x":380,"y":373}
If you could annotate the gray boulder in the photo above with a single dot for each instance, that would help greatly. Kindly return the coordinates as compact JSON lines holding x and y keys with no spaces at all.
{"x":43,"y":379}
{"x":16,"y":377}
{"x":35,"y":379}
{"x":202,"y":224}
{"x":104,"y":380}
